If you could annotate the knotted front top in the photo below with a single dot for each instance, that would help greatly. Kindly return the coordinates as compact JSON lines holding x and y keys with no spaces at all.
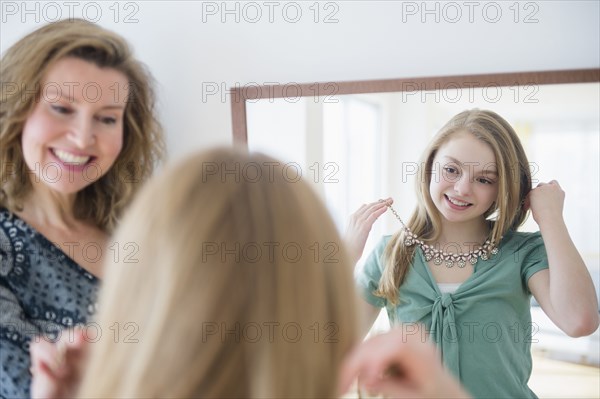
{"x":483,"y":329}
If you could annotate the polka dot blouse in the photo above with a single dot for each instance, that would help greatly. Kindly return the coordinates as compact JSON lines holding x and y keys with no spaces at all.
{"x":42,"y":292}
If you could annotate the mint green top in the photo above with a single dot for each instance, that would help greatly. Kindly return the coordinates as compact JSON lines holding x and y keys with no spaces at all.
{"x":484,"y":328}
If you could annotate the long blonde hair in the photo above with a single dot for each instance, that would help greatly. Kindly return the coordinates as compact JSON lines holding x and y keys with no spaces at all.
{"x":234,"y":263}
{"x":23,"y":68}
{"x":514,"y":183}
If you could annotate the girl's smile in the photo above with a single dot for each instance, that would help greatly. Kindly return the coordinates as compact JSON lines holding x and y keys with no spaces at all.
{"x":457,"y":204}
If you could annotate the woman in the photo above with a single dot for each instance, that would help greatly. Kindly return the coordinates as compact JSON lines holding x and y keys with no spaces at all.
{"x":77,"y":139}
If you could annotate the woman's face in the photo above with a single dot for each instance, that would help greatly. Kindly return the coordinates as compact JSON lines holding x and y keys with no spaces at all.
{"x":75,"y":132}
{"x":464,"y":181}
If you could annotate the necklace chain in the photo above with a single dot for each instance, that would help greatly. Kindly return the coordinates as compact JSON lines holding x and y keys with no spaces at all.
{"x":484,"y":251}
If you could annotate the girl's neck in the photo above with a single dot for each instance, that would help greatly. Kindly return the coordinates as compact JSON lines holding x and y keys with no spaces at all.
{"x":467,"y":232}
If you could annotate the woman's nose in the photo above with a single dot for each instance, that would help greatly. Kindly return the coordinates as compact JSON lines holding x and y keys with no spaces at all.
{"x":81,"y":133}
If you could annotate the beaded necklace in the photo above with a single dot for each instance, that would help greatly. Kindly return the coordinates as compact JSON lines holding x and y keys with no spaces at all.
{"x":484,"y":252}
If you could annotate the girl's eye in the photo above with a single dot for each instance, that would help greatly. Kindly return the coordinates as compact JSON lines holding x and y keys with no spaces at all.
{"x":107,"y":120}
{"x":451,"y":169}
{"x":485,"y":181}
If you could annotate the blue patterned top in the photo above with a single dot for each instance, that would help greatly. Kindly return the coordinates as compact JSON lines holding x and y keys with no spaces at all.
{"x":42,"y":291}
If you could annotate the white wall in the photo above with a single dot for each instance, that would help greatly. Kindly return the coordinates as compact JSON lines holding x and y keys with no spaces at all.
{"x":187,"y":47}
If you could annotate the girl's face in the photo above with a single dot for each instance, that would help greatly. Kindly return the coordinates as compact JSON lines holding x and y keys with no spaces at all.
{"x":464,"y":180}
{"x":75,"y":131}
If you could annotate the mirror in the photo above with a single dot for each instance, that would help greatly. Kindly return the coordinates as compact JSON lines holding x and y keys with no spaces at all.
{"x":360,"y":141}
{"x":356,"y":148}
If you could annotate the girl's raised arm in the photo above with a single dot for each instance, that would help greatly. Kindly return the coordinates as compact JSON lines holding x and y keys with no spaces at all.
{"x":565,"y":291}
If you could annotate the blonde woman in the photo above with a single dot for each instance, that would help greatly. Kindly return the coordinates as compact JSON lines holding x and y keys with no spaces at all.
{"x":460,"y":271}
{"x":77,"y":139}
{"x":240,"y":272}
{"x":241,"y":290}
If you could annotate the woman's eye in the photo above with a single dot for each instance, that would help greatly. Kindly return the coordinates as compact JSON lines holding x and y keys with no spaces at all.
{"x":450,"y":169}
{"x":485,"y":181}
{"x":61,"y":110}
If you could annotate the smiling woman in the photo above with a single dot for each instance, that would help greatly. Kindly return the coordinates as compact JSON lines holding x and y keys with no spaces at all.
{"x":68,"y":132}
{"x":77,"y":139}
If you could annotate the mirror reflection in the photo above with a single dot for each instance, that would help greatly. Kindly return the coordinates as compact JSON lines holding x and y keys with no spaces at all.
{"x":361,"y":147}
{"x":357,"y":148}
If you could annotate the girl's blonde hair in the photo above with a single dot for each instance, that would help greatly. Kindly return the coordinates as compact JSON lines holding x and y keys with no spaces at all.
{"x":236,"y":285}
{"x":23,"y":69}
{"x":514,"y":183}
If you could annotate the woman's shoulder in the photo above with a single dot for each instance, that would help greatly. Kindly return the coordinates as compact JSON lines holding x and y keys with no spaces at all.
{"x":13,"y":227}
{"x":16,"y":243}
{"x":5,"y":215}
{"x":8,"y":232}
{"x":24,"y":251}
{"x":9,"y":218}
{"x":49,"y":287}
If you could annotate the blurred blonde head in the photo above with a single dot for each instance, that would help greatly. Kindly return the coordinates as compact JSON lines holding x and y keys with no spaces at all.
{"x":507,"y":212}
{"x":237,"y":286}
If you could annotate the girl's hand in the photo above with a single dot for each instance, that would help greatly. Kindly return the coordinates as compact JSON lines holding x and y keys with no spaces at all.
{"x":546,"y":202}
{"x":56,"y":368}
{"x":399,"y":365}
{"x":360,"y":225}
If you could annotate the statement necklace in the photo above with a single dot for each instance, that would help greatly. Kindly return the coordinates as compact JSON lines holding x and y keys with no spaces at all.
{"x":484,"y":252}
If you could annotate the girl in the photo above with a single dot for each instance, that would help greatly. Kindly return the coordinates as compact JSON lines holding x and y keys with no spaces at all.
{"x":462,"y":271}
{"x":77,"y":139}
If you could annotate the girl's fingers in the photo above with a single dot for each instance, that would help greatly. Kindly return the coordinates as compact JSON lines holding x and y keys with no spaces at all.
{"x":395,"y":389}
{"x":369,"y":360}
{"x":45,"y":354}
{"x":377,"y":206}
{"x":375,"y":215}
{"x":550,"y":183}
{"x":395,"y":357}
{"x":360,"y":210}
{"x":78,"y":338}
{"x":57,"y":356}
{"x":44,"y":384}
{"x":360,"y":225}
{"x":353,"y":366}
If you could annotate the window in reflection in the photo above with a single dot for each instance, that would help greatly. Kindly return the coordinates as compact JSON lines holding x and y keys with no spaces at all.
{"x":352,"y":145}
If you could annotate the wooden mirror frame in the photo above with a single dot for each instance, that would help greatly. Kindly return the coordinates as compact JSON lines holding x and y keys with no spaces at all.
{"x":239,"y":95}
